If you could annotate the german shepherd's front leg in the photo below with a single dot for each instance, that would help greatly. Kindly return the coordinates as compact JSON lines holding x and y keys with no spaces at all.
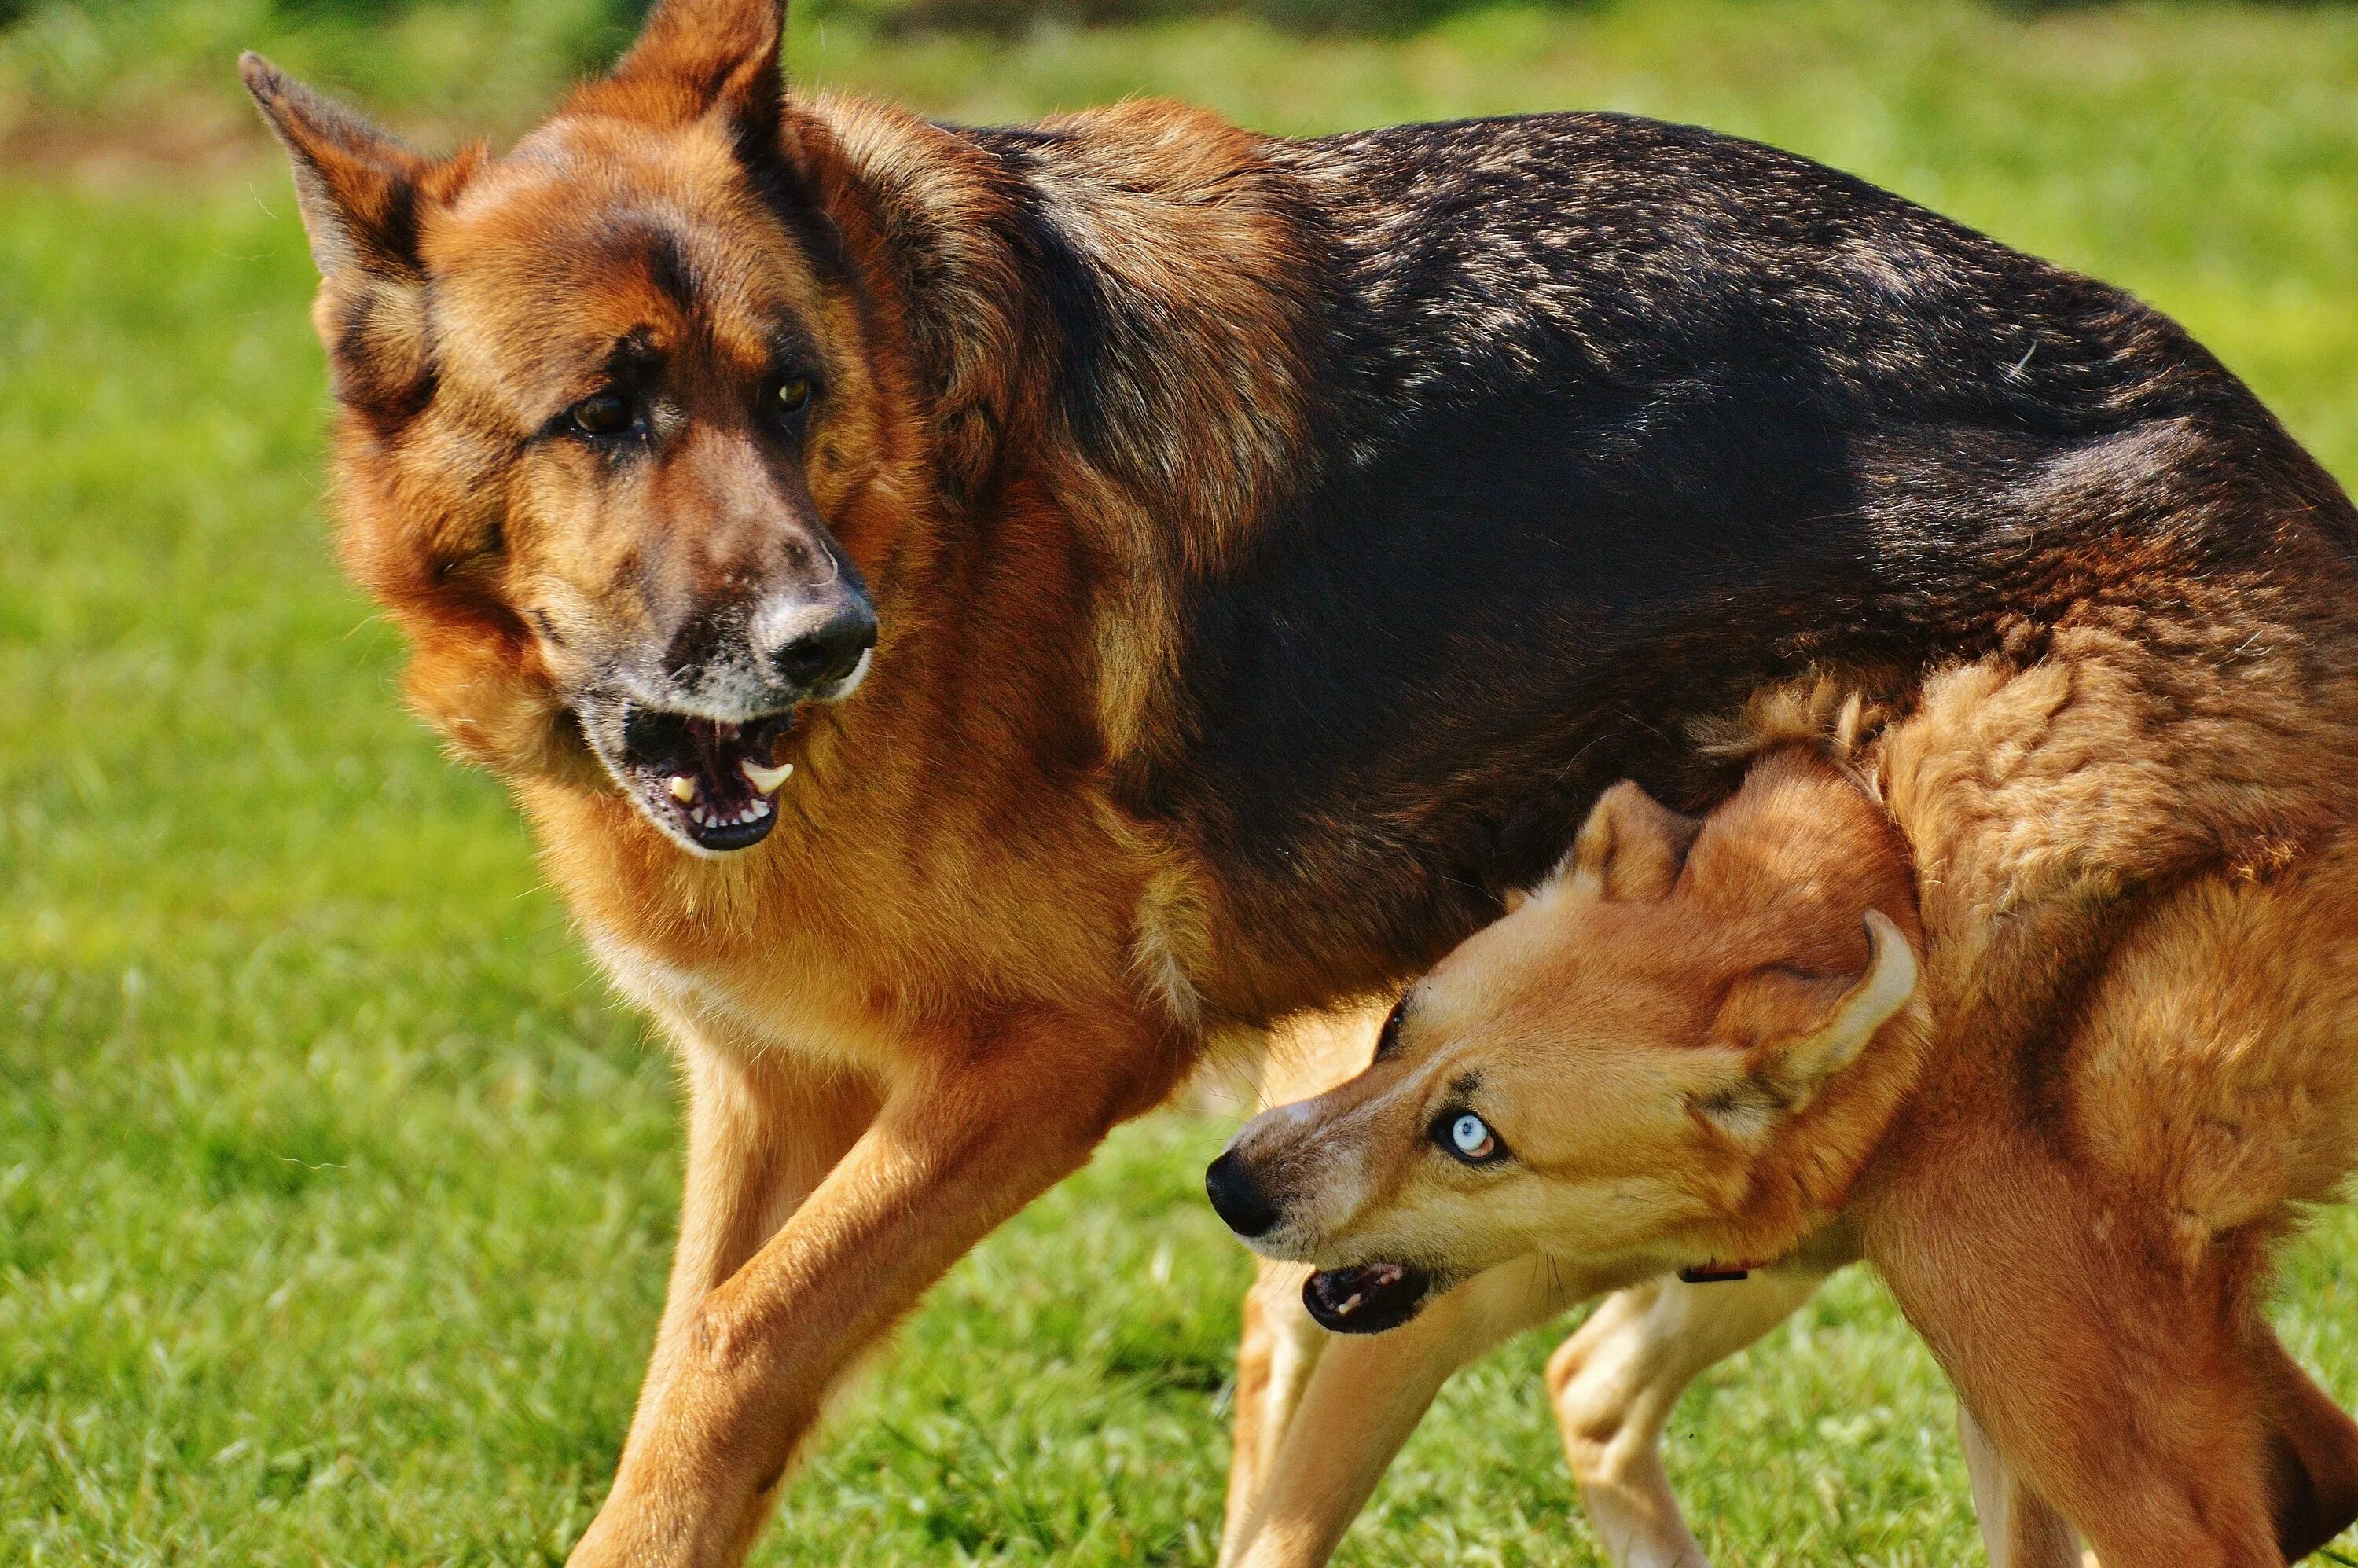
{"x":970,"y":1132}
{"x":763,"y":1132}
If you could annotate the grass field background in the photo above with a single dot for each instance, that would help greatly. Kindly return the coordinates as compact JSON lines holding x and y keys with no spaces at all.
{"x":335,"y":1193}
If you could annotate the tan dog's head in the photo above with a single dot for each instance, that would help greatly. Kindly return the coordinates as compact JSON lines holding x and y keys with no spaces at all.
{"x":1660,"y":1057}
{"x":606,"y":404}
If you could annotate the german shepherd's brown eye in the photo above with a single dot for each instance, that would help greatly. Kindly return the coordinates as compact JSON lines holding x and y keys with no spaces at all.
{"x":606,"y":413}
{"x":1388,"y":1037}
{"x":790,"y":400}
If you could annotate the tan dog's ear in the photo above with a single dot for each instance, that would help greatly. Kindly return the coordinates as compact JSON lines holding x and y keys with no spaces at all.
{"x":1632,"y":847}
{"x":1799,"y":1032}
{"x":695,"y":56}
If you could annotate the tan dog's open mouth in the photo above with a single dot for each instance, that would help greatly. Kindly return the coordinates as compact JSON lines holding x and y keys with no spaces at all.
{"x":1366,"y":1298}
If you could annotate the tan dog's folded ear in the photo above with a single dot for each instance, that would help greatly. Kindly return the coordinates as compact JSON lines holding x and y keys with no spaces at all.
{"x":1800,"y":1031}
{"x":1632,"y":847}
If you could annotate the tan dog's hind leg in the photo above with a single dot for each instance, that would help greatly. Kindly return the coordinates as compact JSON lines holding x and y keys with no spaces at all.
{"x":967,"y":1137}
{"x":1366,"y":1394}
{"x":1278,"y":1351}
{"x":1615,"y":1382}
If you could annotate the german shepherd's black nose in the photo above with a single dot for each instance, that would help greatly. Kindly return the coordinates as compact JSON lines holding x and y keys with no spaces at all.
{"x":1236,"y":1199}
{"x":813,"y":643}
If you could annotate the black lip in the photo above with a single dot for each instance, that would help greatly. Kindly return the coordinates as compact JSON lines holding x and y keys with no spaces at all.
{"x":658,"y":746}
{"x":1366,"y":1298}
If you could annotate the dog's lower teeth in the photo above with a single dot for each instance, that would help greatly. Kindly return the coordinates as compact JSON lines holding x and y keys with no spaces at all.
{"x":683,"y":788}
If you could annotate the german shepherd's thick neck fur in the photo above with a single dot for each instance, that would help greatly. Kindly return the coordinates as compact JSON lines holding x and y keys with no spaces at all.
{"x":1268,"y":546}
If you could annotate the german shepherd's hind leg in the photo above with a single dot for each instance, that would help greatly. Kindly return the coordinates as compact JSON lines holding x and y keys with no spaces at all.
{"x":1615,"y":1382}
{"x":2313,"y":1451}
{"x":2117,"y":1385}
{"x":969,"y":1131}
{"x":1275,"y":1356}
{"x":1364,"y":1398}
{"x":2018,"y":1529}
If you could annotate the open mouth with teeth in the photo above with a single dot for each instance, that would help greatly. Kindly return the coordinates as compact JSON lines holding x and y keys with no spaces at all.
{"x":712,"y":780}
{"x":1366,"y":1298}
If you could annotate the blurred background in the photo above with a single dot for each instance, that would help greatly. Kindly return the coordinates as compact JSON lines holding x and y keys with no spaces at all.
{"x":334,"y":1191}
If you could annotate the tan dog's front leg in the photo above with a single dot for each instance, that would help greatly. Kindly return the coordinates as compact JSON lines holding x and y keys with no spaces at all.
{"x":1275,"y":1356}
{"x":968,"y":1134}
{"x":1280,"y":1346}
{"x":1366,"y":1394}
{"x":1614,"y":1383}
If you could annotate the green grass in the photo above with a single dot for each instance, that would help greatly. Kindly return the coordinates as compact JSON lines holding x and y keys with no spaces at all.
{"x":334,"y":1192}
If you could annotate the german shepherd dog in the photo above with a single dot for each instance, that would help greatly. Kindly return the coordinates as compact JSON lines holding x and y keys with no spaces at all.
{"x":1190,"y":575}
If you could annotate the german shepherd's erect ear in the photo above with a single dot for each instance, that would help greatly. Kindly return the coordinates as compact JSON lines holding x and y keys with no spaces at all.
{"x":356,"y":186}
{"x":360,"y":191}
{"x":695,"y":57}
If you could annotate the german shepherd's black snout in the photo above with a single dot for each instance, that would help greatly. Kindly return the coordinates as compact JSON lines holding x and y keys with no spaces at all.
{"x":815,"y":640}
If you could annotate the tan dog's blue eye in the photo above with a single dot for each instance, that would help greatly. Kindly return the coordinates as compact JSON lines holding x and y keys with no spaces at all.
{"x":1470,"y":1137}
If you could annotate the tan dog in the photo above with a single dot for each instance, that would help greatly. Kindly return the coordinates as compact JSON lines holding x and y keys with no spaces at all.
{"x":1640,"y":1067}
{"x":1686,"y":1049}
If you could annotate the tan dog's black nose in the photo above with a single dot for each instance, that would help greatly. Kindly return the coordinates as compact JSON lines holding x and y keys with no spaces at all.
{"x":1236,"y":1198}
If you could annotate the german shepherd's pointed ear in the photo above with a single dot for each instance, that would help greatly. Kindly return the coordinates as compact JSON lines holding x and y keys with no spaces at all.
{"x":361,"y":194}
{"x":1632,"y":847}
{"x":356,"y":186}
{"x":696,"y":56}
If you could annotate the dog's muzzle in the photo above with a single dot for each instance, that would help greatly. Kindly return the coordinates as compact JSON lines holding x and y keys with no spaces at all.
{"x":712,"y":783}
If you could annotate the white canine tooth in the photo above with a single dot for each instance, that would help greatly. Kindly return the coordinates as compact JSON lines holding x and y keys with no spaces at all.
{"x":683,"y":788}
{"x":766,"y":780}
